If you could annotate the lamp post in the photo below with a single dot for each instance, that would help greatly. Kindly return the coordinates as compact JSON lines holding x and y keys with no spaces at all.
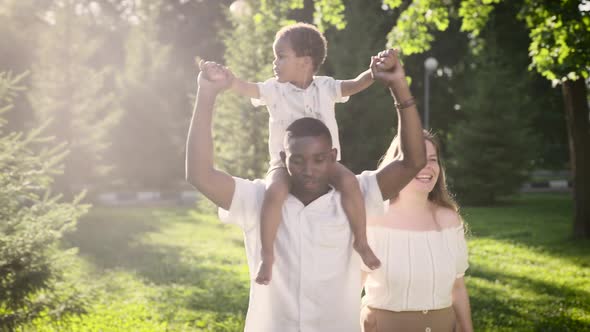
{"x":240,"y":8}
{"x":430,"y":65}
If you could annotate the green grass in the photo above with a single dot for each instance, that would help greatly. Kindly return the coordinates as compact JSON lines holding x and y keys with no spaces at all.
{"x":143,"y":269}
{"x":526,"y":272}
{"x":157,"y":270}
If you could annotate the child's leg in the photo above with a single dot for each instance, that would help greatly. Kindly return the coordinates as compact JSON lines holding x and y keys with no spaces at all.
{"x":277,"y":190}
{"x":354,"y":206}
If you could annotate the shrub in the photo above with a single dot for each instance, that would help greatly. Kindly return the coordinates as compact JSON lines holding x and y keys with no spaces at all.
{"x":32,"y":221}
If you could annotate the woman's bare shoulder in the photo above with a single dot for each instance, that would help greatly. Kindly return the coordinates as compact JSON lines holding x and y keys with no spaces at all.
{"x":447,"y":217}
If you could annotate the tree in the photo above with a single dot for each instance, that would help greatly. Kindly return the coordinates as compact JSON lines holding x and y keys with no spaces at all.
{"x":191,"y":28}
{"x":240,"y":129}
{"x":32,"y":221}
{"x":19,"y":28}
{"x":74,"y":95}
{"x":559,"y":33}
{"x":492,"y":148}
{"x":147,"y":145}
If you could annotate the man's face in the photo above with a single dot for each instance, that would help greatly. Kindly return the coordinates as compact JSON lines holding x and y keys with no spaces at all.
{"x":309,"y":161}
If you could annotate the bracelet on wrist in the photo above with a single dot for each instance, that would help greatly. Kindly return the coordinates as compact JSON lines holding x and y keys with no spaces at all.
{"x":405,"y":104}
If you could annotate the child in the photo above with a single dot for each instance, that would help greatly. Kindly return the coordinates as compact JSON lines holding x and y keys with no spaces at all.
{"x":293,"y":93}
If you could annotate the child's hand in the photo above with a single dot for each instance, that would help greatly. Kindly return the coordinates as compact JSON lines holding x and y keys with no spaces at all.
{"x":394,"y":73}
{"x":214,"y":76}
{"x":213,"y":71}
{"x":386,"y":60}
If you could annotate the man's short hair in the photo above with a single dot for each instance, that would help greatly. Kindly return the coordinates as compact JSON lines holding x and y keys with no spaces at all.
{"x":308,"y":127}
{"x":306,"y":40}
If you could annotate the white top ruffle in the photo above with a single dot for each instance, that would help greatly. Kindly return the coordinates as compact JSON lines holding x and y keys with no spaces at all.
{"x":418,"y":268}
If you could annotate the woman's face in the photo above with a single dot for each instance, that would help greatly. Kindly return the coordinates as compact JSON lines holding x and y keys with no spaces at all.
{"x":427,"y":177}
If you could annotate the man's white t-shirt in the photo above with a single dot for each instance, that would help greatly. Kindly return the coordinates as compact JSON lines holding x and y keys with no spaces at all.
{"x":316,"y":285}
{"x":286,"y":103}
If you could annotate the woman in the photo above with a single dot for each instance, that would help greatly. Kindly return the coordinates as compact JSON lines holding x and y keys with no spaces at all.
{"x":420,"y":241}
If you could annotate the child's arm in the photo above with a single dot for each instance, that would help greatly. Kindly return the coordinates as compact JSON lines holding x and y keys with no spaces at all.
{"x":241,"y":87}
{"x":356,"y":85}
{"x":244,"y":88}
{"x":365,"y":79}
{"x":216,"y":72}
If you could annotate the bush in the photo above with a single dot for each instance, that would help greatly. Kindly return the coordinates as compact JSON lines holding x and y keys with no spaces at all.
{"x":32,"y":221}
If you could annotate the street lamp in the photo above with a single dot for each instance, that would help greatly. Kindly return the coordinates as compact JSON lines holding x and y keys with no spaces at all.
{"x":240,"y":8}
{"x":430,"y":65}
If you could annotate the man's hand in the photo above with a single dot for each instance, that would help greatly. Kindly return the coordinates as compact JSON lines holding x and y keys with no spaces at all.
{"x":385,"y":61}
{"x":387,"y":68}
{"x":214,"y":77}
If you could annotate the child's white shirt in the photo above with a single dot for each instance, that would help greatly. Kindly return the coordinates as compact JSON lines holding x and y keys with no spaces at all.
{"x":286,"y":103}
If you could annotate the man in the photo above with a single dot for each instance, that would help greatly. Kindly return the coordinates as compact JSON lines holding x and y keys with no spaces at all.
{"x":316,"y":277}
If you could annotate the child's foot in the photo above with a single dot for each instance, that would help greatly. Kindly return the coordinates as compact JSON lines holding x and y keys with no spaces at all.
{"x":367,"y":255}
{"x":264,"y":274}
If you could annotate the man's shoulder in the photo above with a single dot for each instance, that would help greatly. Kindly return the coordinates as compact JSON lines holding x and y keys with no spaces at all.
{"x":371,"y":192}
{"x":255,"y":184}
{"x":367,"y":174}
{"x":248,"y":192}
{"x":246,"y":203}
{"x":368,"y":183}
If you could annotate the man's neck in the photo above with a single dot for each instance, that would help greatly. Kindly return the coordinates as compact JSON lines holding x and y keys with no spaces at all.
{"x":306,"y":197}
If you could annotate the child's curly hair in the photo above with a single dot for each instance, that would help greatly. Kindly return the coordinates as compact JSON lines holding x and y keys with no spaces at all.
{"x":306,"y":40}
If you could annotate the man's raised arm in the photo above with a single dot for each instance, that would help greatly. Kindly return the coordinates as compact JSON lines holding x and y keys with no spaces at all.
{"x":214,"y":184}
{"x":395,"y":176}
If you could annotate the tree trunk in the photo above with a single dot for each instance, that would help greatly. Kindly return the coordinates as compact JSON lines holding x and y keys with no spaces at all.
{"x":578,"y":127}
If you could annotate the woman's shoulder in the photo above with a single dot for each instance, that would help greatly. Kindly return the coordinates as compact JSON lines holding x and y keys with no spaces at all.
{"x":448,"y":218}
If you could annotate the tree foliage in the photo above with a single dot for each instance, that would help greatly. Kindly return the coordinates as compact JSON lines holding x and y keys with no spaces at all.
{"x":492,"y":148}
{"x":32,"y":221}
{"x":73,"y":94}
{"x":413,"y":27}
{"x":558,"y":35}
{"x":367,"y":122}
{"x":559,"y":31}
{"x":155,"y":108}
{"x":241,"y":130}
{"x":560,"y":38}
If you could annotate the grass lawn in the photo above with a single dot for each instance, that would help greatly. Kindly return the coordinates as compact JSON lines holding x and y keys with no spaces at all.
{"x":158,"y":269}
{"x":526,"y":273}
{"x":172,"y":269}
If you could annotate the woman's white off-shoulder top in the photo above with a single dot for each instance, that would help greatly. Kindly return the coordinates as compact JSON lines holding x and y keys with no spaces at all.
{"x":418,"y":268}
